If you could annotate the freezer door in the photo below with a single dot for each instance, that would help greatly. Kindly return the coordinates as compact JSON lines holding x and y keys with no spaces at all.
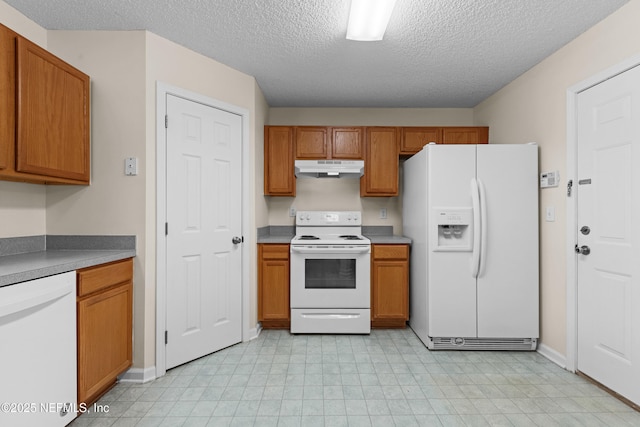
{"x":451,"y":285}
{"x":508,"y":296}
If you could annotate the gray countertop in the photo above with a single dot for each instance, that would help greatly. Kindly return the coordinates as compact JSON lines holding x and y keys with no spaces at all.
{"x":283,"y":234}
{"x":33,"y":257}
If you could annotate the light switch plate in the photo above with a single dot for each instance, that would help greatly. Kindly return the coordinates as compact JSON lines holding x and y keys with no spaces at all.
{"x":550,"y":214}
{"x":131,"y":166}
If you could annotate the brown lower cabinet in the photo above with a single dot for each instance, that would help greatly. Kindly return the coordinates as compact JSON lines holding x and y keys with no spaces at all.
{"x":273,"y":286}
{"x":105,"y":311}
{"x":389,"y":286}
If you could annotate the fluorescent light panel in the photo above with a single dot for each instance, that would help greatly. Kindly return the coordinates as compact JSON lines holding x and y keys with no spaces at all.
{"x":368,"y":19}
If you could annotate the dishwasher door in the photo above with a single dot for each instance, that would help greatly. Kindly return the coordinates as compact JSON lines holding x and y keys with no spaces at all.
{"x":38,"y":385}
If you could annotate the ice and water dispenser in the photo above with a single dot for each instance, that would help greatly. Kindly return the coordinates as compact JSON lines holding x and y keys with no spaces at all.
{"x":452,"y":229}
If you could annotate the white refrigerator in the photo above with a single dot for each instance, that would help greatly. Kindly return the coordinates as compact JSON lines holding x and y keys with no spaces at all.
{"x":472,"y":214}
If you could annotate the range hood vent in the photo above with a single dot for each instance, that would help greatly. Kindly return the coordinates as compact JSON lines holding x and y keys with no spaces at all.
{"x":329,"y":168}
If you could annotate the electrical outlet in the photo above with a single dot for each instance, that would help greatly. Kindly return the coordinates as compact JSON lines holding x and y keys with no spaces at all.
{"x":383,"y":213}
{"x":292,"y":212}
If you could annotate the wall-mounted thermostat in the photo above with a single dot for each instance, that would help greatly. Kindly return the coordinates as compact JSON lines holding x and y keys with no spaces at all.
{"x":549,"y":179}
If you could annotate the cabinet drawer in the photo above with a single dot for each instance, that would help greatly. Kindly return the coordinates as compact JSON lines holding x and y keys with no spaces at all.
{"x":271,"y":251}
{"x":390,"y":251}
{"x":93,"y":279}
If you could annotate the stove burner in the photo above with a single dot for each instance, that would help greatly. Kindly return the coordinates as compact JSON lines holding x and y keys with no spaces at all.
{"x":308,"y":237}
{"x":350,"y":237}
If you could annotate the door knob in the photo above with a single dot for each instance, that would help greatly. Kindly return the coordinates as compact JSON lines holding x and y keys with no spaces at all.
{"x":585,"y":230}
{"x":236,"y":240}
{"x":583,"y":250}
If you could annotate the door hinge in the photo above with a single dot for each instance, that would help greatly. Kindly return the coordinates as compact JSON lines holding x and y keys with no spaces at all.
{"x":569,"y":186}
{"x":166,"y":228}
{"x":166,"y":337}
{"x":166,"y":121}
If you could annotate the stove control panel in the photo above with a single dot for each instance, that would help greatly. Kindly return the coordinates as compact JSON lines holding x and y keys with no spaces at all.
{"x":329,"y":218}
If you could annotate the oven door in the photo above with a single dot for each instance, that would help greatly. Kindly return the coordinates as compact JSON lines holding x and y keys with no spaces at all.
{"x":330,"y":276}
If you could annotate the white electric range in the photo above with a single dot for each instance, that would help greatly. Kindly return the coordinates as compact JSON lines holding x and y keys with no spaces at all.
{"x":330,"y":274}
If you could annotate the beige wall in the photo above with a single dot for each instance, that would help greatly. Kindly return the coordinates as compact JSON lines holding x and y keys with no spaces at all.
{"x":344,"y":194}
{"x":533,"y":108}
{"x":113,"y":203}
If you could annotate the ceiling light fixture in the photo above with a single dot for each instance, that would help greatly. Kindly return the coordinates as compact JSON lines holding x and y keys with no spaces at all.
{"x":368,"y":19}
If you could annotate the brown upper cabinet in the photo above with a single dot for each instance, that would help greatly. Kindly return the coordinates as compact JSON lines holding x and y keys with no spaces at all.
{"x":279,"y":179}
{"x":465,"y":135}
{"x":312,"y":142}
{"x":346,"y":143}
{"x":44,"y":121}
{"x":321,"y":142}
{"x":412,"y":139}
{"x":380,"y":162}
{"x":380,"y":147}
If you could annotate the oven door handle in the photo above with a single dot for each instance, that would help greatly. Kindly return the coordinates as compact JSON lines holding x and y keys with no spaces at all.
{"x":330,"y":250}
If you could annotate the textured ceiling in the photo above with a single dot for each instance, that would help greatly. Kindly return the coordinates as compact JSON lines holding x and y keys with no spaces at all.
{"x":435,"y":53}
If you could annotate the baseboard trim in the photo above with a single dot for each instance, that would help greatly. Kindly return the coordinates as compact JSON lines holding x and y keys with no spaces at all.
{"x":255,"y":332}
{"x":137,"y":375}
{"x":552,"y":355}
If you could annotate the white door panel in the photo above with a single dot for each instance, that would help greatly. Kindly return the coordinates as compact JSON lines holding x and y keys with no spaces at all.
{"x":508,"y":288}
{"x":608,"y":195}
{"x":452,"y":288}
{"x":203,"y":215}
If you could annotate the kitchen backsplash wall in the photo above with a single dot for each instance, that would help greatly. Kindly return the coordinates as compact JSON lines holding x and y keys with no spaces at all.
{"x":344,"y":194}
{"x":335,"y":194}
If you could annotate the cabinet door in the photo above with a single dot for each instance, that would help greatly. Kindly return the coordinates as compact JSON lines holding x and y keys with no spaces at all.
{"x":381,"y":162}
{"x":279,"y":179}
{"x":7,"y":96}
{"x":346,"y":143}
{"x":273,"y":286}
{"x":412,"y":139}
{"x":104,"y":340}
{"x":390,"y":286}
{"x":312,"y":142}
{"x":53,"y":115}
{"x":465,"y":135}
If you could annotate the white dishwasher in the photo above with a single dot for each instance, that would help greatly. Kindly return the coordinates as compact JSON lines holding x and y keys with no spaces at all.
{"x":38,"y":383}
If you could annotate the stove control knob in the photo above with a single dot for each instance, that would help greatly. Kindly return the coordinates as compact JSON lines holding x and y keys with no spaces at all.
{"x":308,"y":217}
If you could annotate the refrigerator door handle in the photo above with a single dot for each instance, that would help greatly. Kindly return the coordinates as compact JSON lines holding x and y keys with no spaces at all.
{"x":483,"y":230}
{"x":475,"y":254}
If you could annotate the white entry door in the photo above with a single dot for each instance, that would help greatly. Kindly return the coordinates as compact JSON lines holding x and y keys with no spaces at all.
{"x":608,"y":232}
{"x":204,"y":261}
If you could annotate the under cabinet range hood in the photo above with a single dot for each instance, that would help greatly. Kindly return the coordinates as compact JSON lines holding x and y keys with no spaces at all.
{"x":329,"y":168}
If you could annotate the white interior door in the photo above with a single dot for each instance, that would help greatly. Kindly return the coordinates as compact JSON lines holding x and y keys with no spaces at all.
{"x":608,"y":194}
{"x":204,"y":183}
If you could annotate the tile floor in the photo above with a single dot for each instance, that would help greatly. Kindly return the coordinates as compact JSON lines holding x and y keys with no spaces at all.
{"x":384,"y":379}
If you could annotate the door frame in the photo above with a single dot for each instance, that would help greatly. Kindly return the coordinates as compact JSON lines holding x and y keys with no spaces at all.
{"x":162,"y":90}
{"x":571,"y":361}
